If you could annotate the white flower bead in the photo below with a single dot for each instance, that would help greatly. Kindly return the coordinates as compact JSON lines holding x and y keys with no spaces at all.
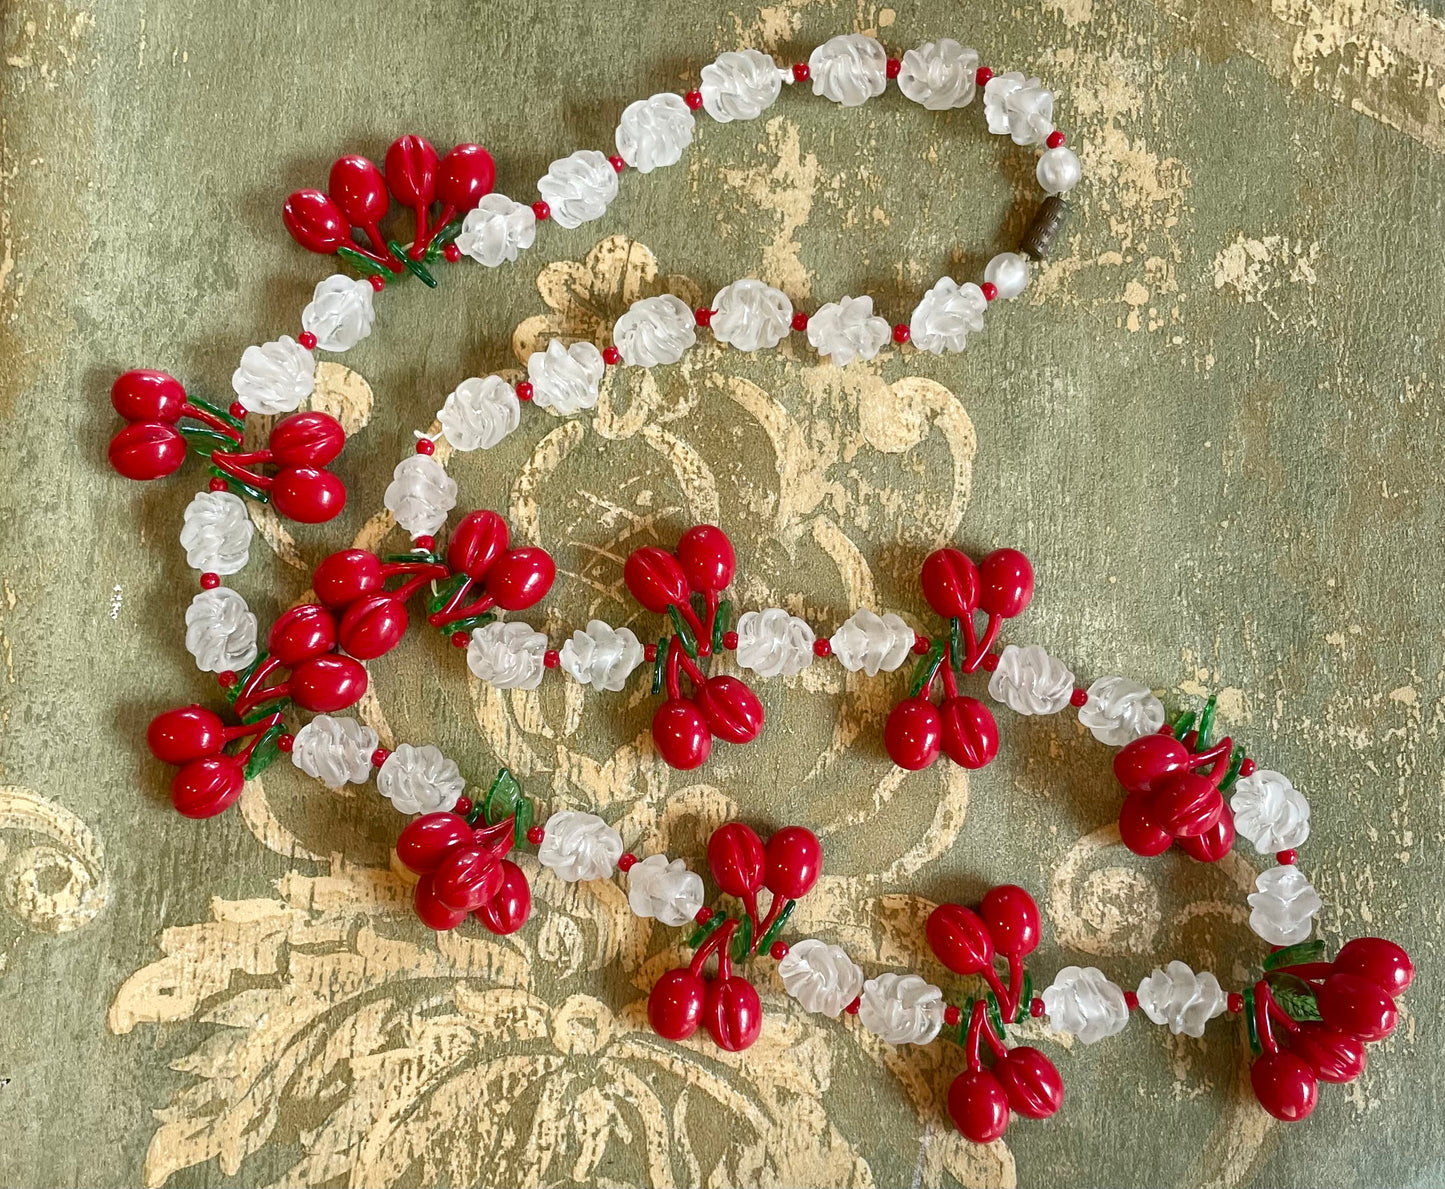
{"x":1270,"y":811}
{"x":1182,"y":999}
{"x":1282,"y":911}
{"x":507,"y":655}
{"x":602,"y":657}
{"x":947,"y":315}
{"x":653,"y":132}
{"x":740,"y":85}
{"x":1083,"y":1002}
{"x":872,"y":642}
{"x":216,"y":533}
{"x":334,"y":750}
{"x":1058,"y":171}
{"x":750,"y":315}
{"x":847,"y":329}
{"x":496,"y":230}
{"x":565,"y":379}
{"x":655,"y":330}
{"x":1008,"y":272}
{"x":821,"y":977}
{"x":220,"y":631}
{"x":420,"y":494}
{"x":579,"y":846}
{"x":939,"y":74}
{"x":1030,"y":681}
{"x":773,"y":643}
{"x":849,"y":69}
{"x":274,"y":377}
{"x":901,"y":1009}
{"x":479,"y":413}
{"x":420,"y":780}
{"x":578,"y":188}
{"x":667,"y":891}
{"x":1119,"y":711}
{"x":1018,"y":106}
{"x":339,"y":313}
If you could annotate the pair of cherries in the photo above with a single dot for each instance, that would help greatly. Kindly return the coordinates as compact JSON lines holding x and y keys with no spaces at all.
{"x":464,"y":871}
{"x":727,"y":1005}
{"x":1173,"y":796}
{"x":359,"y":195}
{"x":194,"y":739}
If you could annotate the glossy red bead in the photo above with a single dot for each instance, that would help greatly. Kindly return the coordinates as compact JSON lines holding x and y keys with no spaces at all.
{"x":703,"y":915}
{"x":508,"y":910}
{"x":680,"y":733}
{"x":913,"y":733}
{"x":801,"y":72}
{"x":372,"y":626}
{"x":521,"y":578}
{"x":951,"y":1016}
{"x":655,"y":578}
{"x":1012,"y":918}
{"x":345,"y":576}
{"x":1332,"y":1055}
{"x":431,"y":911}
{"x":989,"y":291}
{"x":982,"y":75}
{"x":315,"y":222}
{"x":959,"y":938}
{"x":206,"y":787}
{"x":693,"y":99}
{"x":1055,"y":139}
{"x":303,"y":632}
{"x":611,"y":356}
{"x":451,"y":253}
{"x":551,"y":658}
{"x":706,"y":556}
{"x":210,"y":581}
{"x":218,"y":484}
{"x":800,"y":321}
{"x":794,"y":858}
{"x":1234,"y":1003}
{"x":536,"y":835}
{"x":285,"y":742}
{"x":311,"y":438}
{"x":478,"y":540}
{"x":460,"y":639}
{"x":1185,"y":804}
{"x":327,"y":684}
{"x":524,"y":390}
{"x":464,"y":807}
{"x":465,"y":176}
{"x":989,"y":662}
{"x":778,"y":951}
{"x":1215,"y":842}
{"x":227,"y":678}
{"x":950,"y":583}
{"x":146,"y":450}
{"x":467,"y":877}
{"x":730,"y":640}
{"x":1285,"y":1085}
{"x":978,"y":1106}
{"x":675,"y":1004}
{"x":1079,"y":698}
{"x":617,"y":163}
{"x":733,"y":712}
{"x":307,"y":494}
{"x":1286,"y":858}
{"x":185,"y":734}
{"x":901,"y":333}
{"x":356,"y":186}
{"x":428,"y":840}
{"x":970,"y":734}
{"x":1006,"y":583}
{"x":1138,"y":831}
{"x":411,"y":171}
{"x":425,"y":446}
{"x":540,"y":210}
{"x":143,"y":394}
{"x":920,"y":644}
{"x":1144,"y":760}
{"x":1032,"y":1083}
{"x":1247,"y":768}
{"x":307,"y":340}
{"x":737,"y":860}
{"x":238,"y":410}
{"x":733,"y":1013}
{"x":1036,"y":1008}
{"x":1131,"y":1000}
{"x":379,"y":757}
{"x":703,"y":317}
{"x":822,"y":647}
{"x":893,"y":68}
{"x":1356,"y":1006}
{"x":626,"y":862}
{"x":649,"y":653}
{"x":377,"y":282}
{"x":1381,"y":962}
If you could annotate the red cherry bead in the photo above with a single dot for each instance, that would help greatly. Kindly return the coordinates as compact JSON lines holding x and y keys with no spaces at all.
{"x":427,"y":841}
{"x":736,"y":858}
{"x":411,"y":170}
{"x":675,"y":1004}
{"x":1055,"y":139}
{"x":1033,"y":1085}
{"x":345,"y":576}
{"x":901,"y":333}
{"x":218,"y":484}
{"x":1012,"y":918}
{"x":730,"y":640}
{"x":1332,"y":1055}
{"x":308,"y":439}
{"x":982,"y":75}
{"x":1381,"y":962}
{"x":951,"y":1016}
{"x":185,"y":734}
{"x":210,"y":581}
{"x":1139,"y":763}
{"x":1357,"y":1007}
{"x":146,"y":450}
{"x":800,"y":321}
{"x":1215,"y":842}
{"x":1006,"y":583}
{"x":451,"y":253}
{"x":681,"y":735}
{"x":425,"y":446}
{"x":379,"y":757}
{"x":706,"y":556}
{"x":479,"y":539}
{"x":733,"y":712}
{"x":1138,"y":831}
{"x":978,"y":1106}
{"x":913,"y":733}
{"x":970,"y":734}
{"x":1285,"y":1085}
{"x":508,"y":910}
{"x":693,"y":99}
{"x":144,"y":394}
{"x":778,"y":950}
{"x":950,"y":583}
{"x":301,"y":633}
{"x":794,"y":862}
{"x":822,"y":647}
{"x":989,"y":291}
{"x":703,"y":317}
{"x":206,"y":787}
{"x":1079,"y":697}
{"x":801,"y":72}
{"x":307,"y":340}
{"x":356,"y":186}
{"x":521,"y":578}
{"x":655,"y":578}
{"x":315,"y":222}
{"x":372,"y":626}
{"x":465,"y":176}
{"x":959,"y":938}
{"x":307,"y":495}
{"x":626,"y":861}
{"x":432,"y":912}
{"x":1187,"y":804}
{"x":733,"y":1013}
{"x":327,"y":684}
{"x":893,"y":68}
{"x":467,"y":876}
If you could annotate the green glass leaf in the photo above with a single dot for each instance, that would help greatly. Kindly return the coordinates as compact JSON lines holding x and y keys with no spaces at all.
{"x":504,"y":797}
{"x":742,"y":946}
{"x":1206,"y":722}
{"x":233,"y":692}
{"x":412,"y":556}
{"x":955,"y":645}
{"x":684,"y":632}
{"x":1026,"y":998}
{"x":266,"y":751}
{"x":1182,"y":723}
{"x":659,"y":665}
{"x":1296,"y":955}
{"x":1254,"y":1046}
{"x":468,"y":624}
{"x":1297,"y":1006}
{"x":442,"y":238}
{"x":1236,"y":762}
{"x":264,"y":709}
{"x":995,"y":1015}
{"x":442,"y":595}
{"x":777,"y":926}
{"x":703,"y":932}
{"x":217,"y":411}
{"x":233,"y":484}
{"x":721,"y":625}
{"x":523,"y":821}
{"x":366,"y":266}
{"x":959,"y":1034}
{"x":415,"y":267}
{"x":927,"y":666}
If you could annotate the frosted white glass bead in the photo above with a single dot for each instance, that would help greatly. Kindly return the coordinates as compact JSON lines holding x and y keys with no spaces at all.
{"x":1282,"y":911}
{"x":1030,"y":681}
{"x":1008,"y":272}
{"x":602,"y":656}
{"x":666,"y":891}
{"x":821,"y":977}
{"x":946,"y":316}
{"x":579,"y":187}
{"x":1270,"y":811}
{"x":496,"y":230}
{"x":1058,"y":170}
{"x":740,"y":85}
{"x":847,"y":329}
{"x":849,"y":69}
{"x":220,"y":631}
{"x":340,"y":312}
{"x":1081,"y":1001}
{"x":420,"y":494}
{"x":655,"y":330}
{"x":565,"y":380}
{"x":420,"y":780}
{"x":579,"y":846}
{"x":274,"y":377}
{"x":1182,"y":999}
{"x":872,"y":642}
{"x":750,"y":315}
{"x":479,"y":413}
{"x":773,"y":643}
{"x":334,"y":750}
{"x":653,"y":132}
{"x":216,"y":533}
{"x":901,"y":1009}
{"x":507,"y":655}
{"x":1119,"y":711}
{"x":939,"y":74}
{"x":1018,"y":106}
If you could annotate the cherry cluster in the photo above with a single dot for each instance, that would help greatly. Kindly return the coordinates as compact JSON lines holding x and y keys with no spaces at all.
{"x":1020,"y":1079}
{"x":209,"y":779}
{"x":464,"y":869}
{"x":154,"y":443}
{"x":686,"y":585}
{"x":1326,"y":1012}
{"x":1000,"y":586}
{"x":727,"y":1005}
{"x":359,"y":195}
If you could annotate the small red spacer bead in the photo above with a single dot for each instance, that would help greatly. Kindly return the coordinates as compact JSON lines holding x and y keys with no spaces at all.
{"x":649,"y":652}
{"x":852,"y":1008}
{"x":1247,"y":767}
{"x":1055,"y":140}
{"x":617,"y":163}
{"x":460,"y":639}
{"x":1131,"y":1001}
{"x":425,"y":446}
{"x":463,"y":806}
{"x":1235,"y":1003}
{"x":429,"y":543}
{"x":551,"y":658}
{"x":524,"y":390}
{"x":801,"y":72}
{"x":693,"y":99}
{"x":1036,"y":1007}
{"x":1079,"y":697}
{"x":1286,"y":858}
{"x":702,"y":915}
{"x":451,"y":253}
{"x":778,"y":950}
{"x":800,"y":321}
{"x":535,"y":835}
{"x":822,"y":646}
{"x":990,"y":661}
{"x":901,"y":333}
{"x":626,"y":861}
{"x":210,"y":581}
{"x":982,"y":75}
{"x":238,"y":410}
{"x":730,"y":640}
{"x":920,"y":643}
{"x":612,"y":357}
{"x":285,"y":742}
{"x":989,"y":290}
{"x":226,"y":678}
{"x":893,"y":68}
{"x":951,"y":1016}
{"x":378,"y":282}
{"x":218,"y":484}
{"x":379,"y":757}
{"x":540,"y":210}
{"x":703,"y":317}
{"x":307,"y":340}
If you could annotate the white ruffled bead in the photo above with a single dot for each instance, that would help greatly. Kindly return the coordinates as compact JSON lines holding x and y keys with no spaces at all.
{"x":602,"y":656}
{"x":579,"y":846}
{"x":1182,"y":999}
{"x":947,"y":315}
{"x":1082,"y":1002}
{"x":1270,"y":811}
{"x":666,"y":891}
{"x":420,"y":494}
{"x":507,"y":655}
{"x":847,"y":329}
{"x":1119,"y":711}
{"x":939,"y":74}
{"x":740,"y":85}
{"x":1008,"y":272}
{"x":653,"y":132}
{"x":334,"y":750}
{"x":1030,"y":681}
{"x":420,"y":780}
{"x":497,"y":230}
{"x":750,"y":315}
{"x":216,"y":533}
{"x":872,"y":642}
{"x":220,"y":631}
{"x":901,"y":1009}
{"x":274,"y":377}
{"x":1283,"y":910}
{"x":821,"y":977}
{"x":1018,"y":106}
{"x":773,"y":643}
{"x":565,"y":380}
{"x":579,"y":187}
{"x":1058,"y":170}
{"x":479,"y":413}
{"x":655,"y":330}
{"x":849,"y":69}
{"x":340,"y":312}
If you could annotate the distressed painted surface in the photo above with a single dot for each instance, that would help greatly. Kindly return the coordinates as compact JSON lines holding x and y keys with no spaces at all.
{"x":1215,"y":423}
